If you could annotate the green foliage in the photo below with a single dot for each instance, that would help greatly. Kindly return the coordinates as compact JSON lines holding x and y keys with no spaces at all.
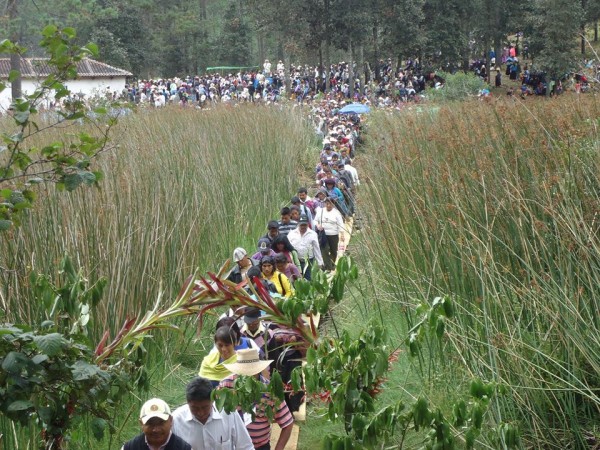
{"x":348,"y":374}
{"x":458,"y":86}
{"x":48,"y":373}
{"x":234,"y":39}
{"x":68,"y":163}
{"x":554,"y":26}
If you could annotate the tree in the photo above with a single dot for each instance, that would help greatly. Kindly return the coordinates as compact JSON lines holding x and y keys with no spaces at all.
{"x":68,"y":164}
{"x":554,"y":27}
{"x":448,"y":30}
{"x":234,"y":39}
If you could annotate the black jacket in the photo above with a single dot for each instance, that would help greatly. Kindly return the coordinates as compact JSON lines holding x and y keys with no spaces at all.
{"x":235,"y":275}
{"x":139,"y":443}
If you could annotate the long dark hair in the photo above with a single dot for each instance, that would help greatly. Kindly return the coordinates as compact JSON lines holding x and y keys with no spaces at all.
{"x":286,"y":242}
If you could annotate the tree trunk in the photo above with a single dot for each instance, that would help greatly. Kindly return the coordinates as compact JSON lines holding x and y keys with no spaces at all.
{"x":15,"y":59}
{"x":350,"y":69}
{"x":596,"y":31}
{"x":361,"y":67}
{"x":327,"y":45}
{"x":203,"y":9}
{"x":320,"y":78}
{"x":286,"y":63}
{"x":376,"y":53}
{"x":261,"y":46}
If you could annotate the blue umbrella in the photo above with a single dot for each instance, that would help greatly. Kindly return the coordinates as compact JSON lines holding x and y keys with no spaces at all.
{"x":355,"y":108}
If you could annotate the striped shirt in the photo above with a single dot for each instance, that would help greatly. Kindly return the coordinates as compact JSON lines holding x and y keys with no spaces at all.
{"x":260,"y":428}
{"x":285,"y":228}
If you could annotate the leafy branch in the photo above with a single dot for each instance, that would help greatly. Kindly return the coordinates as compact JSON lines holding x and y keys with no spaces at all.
{"x":68,"y":164}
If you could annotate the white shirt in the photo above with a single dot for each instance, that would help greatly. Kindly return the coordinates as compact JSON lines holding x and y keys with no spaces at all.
{"x":331,"y":221}
{"x":353,"y":173}
{"x":221,"y":431}
{"x":306,"y":245}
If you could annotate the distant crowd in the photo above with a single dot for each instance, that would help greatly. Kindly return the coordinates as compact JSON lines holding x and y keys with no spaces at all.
{"x":386,"y":85}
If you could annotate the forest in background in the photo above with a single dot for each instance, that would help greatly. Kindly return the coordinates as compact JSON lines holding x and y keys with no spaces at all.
{"x":163,"y":39}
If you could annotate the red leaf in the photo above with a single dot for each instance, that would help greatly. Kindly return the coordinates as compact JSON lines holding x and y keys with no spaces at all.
{"x":100,"y":347}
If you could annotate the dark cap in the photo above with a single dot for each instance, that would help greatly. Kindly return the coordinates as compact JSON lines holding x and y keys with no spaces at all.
{"x":252,"y":315}
{"x":264,"y":245}
{"x":273,"y":224}
{"x":303,"y":219}
{"x":295,"y":200}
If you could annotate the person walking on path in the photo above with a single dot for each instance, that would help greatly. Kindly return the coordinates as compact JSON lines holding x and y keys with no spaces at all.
{"x":202,"y":426}
{"x":306,"y":243}
{"x":330,"y":219}
{"x":270,"y":273}
{"x":249,"y":364}
{"x":157,"y":423}
{"x":243,"y":263}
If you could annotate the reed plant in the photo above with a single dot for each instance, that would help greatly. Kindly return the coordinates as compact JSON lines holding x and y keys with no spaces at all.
{"x":496,"y":204}
{"x":184,"y":188}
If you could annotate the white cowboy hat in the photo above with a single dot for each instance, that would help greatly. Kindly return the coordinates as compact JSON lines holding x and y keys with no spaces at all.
{"x":248,"y":363}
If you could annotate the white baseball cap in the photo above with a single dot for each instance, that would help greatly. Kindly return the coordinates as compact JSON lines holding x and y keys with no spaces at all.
{"x":154,"y":407}
{"x":238,"y":254}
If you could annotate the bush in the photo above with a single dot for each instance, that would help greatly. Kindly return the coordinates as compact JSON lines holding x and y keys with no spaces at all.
{"x":458,"y":86}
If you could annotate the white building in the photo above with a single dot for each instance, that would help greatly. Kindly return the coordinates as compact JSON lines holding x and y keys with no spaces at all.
{"x":93,"y":77}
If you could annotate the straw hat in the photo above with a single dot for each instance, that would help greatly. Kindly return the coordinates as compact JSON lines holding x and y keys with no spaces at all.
{"x":248,"y":363}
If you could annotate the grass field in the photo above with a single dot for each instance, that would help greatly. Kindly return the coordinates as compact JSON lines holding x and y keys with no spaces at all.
{"x":496,"y":205}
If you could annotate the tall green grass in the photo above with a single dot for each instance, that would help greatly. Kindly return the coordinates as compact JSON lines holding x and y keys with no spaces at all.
{"x":184,"y":188}
{"x":497,"y":205}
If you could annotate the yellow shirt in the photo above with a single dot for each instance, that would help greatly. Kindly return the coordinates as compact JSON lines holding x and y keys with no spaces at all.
{"x":282,"y":283}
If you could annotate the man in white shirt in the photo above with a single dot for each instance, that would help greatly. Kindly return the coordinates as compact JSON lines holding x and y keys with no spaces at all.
{"x":306,"y":243}
{"x":203,"y":427}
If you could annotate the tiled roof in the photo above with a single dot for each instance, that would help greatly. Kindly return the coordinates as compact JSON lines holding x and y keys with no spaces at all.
{"x":38,"y":67}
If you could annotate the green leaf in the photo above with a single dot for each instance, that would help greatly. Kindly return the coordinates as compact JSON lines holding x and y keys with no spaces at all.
{"x":13,"y":75}
{"x":21,"y":117}
{"x":51,"y":344}
{"x":98,"y":427}
{"x":72,"y":181}
{"x":99,"y":175}
{"x":30,"y":196}
{"x":49,"y":30}
{"x":70,"y":32}
{"x":38,"y":359}
{"x":311,"y":355}
{"x":19,"y":405}
{"x":88,"y":178}
{"x":276,"y":386}
{"x":84,"y":371}
{"x":92,"y":48}
{"x":5,"y":224}
{"x":15,"y":362}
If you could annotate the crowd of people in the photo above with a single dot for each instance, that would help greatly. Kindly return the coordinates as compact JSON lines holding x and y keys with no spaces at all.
{"x":386,"y":85}
{"x":305,"y":237}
